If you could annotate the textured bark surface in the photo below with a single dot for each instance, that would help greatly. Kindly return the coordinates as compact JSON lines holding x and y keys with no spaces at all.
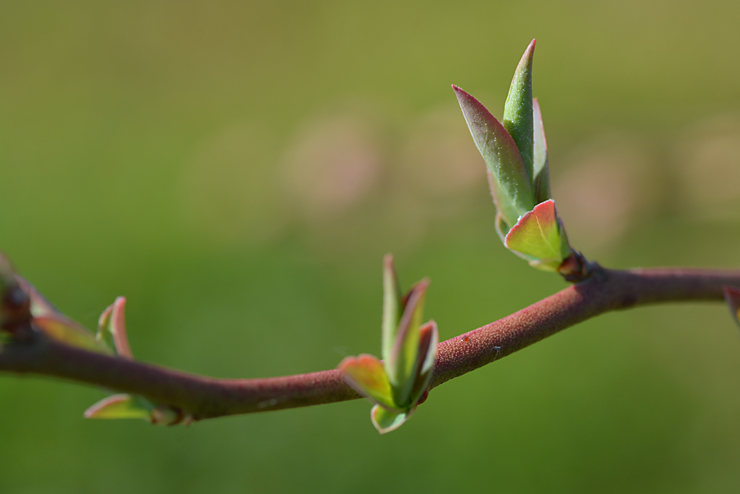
{"x":205,"y":397}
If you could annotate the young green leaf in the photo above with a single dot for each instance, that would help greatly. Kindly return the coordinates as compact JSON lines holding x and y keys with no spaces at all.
{"x":386,"y":420}
{"x":120,"y":406}
{"x":366,"y":375}
{"x":541,"y":167}
{"x":512,"y":183}
{"x":518,"y":120}
{"x":540,"y":234}
{"x":112,"y":322}
{"x":732,"y":296}
{"x":392,"y":306}
{"x":428,"y":341}
{"x":401,"y":381}
{"x":401,"y":365}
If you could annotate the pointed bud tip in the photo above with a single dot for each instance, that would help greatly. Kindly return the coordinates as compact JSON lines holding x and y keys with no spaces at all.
{"x":422,"y":285}
{"x":473,"y":110}
{"x":102,"y":409}
{"x":528,"y":55}
{"x":105,"y":317}
{"x":462,"y":94}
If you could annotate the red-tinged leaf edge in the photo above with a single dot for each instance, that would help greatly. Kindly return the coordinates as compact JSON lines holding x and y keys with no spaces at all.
{"x":732,"y":296}
{"x":113,"y":321}
{"x":540,"y":235}
{"x":428,"y":342}
{"x":104,"y":323}
{"x":366,"y":375}
{"x":502,"y":230}
{"x":386,"y":421}
{"x":400,"y":363}
{"x":392,"y":306}
{"x":512,"y":187}
{"x":120,"y":406}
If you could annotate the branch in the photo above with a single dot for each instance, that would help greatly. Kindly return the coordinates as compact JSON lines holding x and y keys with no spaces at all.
{"x":204,"y":397}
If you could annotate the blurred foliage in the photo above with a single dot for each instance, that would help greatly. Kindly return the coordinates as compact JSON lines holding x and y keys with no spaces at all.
{"x":238,"y":170}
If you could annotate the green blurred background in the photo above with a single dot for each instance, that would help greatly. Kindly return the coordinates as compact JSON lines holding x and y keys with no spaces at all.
{"x":238,"y":170}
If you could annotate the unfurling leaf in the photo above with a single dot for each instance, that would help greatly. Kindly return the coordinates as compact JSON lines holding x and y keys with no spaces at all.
{"x":125,"y":406}
{"x":402,"y":363}
{"x":398,"y":384}
{"x":386,"y":420}
{"x":511,"y":183}
{"x":540,"y":237}
{"x":428,"y":341}
{"x":541,"y":168}
{"x":366,"y":375}
{"x":518,"y":109}
{"x":518,"y":176}
{"x":112,"y":323}
{"x":392,"y":306}
{"x":121,"y":406}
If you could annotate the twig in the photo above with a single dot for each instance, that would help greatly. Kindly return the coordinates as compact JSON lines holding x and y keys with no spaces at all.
{"x":204,"y":397}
